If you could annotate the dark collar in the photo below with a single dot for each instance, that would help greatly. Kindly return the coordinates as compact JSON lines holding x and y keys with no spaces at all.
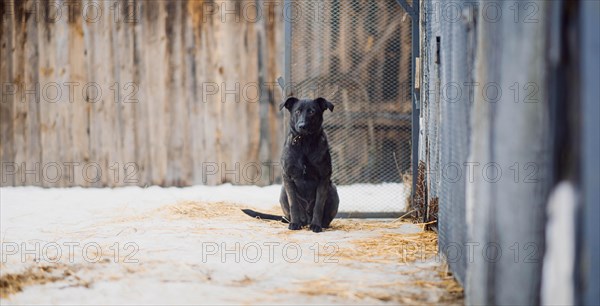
{"x":296,"y":139}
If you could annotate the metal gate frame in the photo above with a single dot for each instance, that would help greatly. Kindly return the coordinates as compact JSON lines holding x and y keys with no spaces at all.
{"x":413,"y":11}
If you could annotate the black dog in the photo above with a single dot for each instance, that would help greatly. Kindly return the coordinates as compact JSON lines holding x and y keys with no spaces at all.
{"x":307,"y":196}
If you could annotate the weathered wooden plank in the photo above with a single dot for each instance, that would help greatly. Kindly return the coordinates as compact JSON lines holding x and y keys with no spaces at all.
{"x":9,"y":92}
{"x":51,"y":40}
{"x":103,"y":146}
{"x":155,"y":59}
{"x":20,"y":109}
{"x":195,"y":40}
{"x":126,"y":96}
{"x":140,"y":171}
{"x":177,"y":174}
{"x":187,"y":87}
{"x":211,"y":76}
{"x":250,"y":109}
{"x":29,"y":106}
{"x":78,"y":114}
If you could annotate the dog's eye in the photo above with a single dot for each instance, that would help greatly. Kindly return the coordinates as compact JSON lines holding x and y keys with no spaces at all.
{"x":297,"y":112}
{"x":311,"y":112}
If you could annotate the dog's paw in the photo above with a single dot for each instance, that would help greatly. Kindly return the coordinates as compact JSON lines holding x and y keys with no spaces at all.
{"x":294,"y":226}
{"x":316,"y":228}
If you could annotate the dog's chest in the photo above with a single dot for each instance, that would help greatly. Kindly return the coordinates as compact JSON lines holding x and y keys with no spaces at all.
{"x":307,"y":159}
{"x":303,"y":167}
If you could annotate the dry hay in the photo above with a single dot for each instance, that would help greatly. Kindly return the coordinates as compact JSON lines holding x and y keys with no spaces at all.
{"x":209,"y":210}
{"x":455,"y":291}
{"x":37,"y":275}
{"x":200,"y":210}
{"x":349,"y":225}
{"x":192,"y":210}
{"x":13,"y":283}
{"x":246,"y":281}
{"x":405,"y":292}
{"x":353,"y":225}
{"x":392,"y":248}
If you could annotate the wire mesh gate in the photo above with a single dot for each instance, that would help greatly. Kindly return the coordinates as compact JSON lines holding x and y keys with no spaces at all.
{"x":360,"y":56}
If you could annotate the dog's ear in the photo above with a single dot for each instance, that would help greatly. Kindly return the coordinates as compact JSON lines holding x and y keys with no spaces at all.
{"x":289,"y":103}
{"x":324,"y":104}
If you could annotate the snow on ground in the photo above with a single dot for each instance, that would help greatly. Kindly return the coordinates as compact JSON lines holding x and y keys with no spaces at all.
{"x":191,"y":245}
{"x":386,"y":197}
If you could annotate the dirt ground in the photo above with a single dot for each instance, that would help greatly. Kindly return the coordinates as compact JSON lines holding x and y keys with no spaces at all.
{"x":184,"y":246}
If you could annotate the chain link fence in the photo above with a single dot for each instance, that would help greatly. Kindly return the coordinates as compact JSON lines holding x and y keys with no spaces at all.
{"x":357,"y":54}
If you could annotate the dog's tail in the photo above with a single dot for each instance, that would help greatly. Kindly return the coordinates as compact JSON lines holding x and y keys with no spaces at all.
{"x":259,"y":215}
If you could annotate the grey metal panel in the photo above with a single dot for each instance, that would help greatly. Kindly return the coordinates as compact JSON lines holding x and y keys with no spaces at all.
{"x":590,"y":23}
{"x":481,"y":223}
{"x":522,"y":134}
{"x":514,"y":218}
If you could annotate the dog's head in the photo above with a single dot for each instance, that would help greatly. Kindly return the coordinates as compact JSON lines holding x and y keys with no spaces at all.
{"x":306,"y":116}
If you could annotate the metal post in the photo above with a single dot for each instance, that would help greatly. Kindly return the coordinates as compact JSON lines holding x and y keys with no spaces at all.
{"x":413,"y":11}
{"x":287,"y":85}
{"x":287,"y":13}
{"x":416,"y":111}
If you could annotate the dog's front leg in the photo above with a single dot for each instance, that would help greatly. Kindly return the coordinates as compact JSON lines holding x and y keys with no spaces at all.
{"x":292,"y":194}
{"x":317,"y":218}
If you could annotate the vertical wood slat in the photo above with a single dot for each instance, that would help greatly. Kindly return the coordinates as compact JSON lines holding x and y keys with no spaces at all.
{"x":7,"y":102}
{"x":78,"y":120}
{"x":28,"y":111}
{"x":126,"y":106}
{"x":140,"y":172}
{"x":50,"y":76}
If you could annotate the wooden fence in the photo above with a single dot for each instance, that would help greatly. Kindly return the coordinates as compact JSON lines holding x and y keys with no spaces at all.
{"x":112,"y":93}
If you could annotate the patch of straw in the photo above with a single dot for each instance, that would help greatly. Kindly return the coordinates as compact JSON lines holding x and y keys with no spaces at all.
{"x":392,"y":248}
{"x":206,"y":210}
{"x":406,"y":292}
{"x":246,"y":281}
{"x":349,"y":225}
{"x":36,"y":275}
{"x":200,"y":210}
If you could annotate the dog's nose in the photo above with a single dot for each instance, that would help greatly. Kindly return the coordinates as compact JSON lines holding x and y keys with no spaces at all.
{"x":301,"y":125}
